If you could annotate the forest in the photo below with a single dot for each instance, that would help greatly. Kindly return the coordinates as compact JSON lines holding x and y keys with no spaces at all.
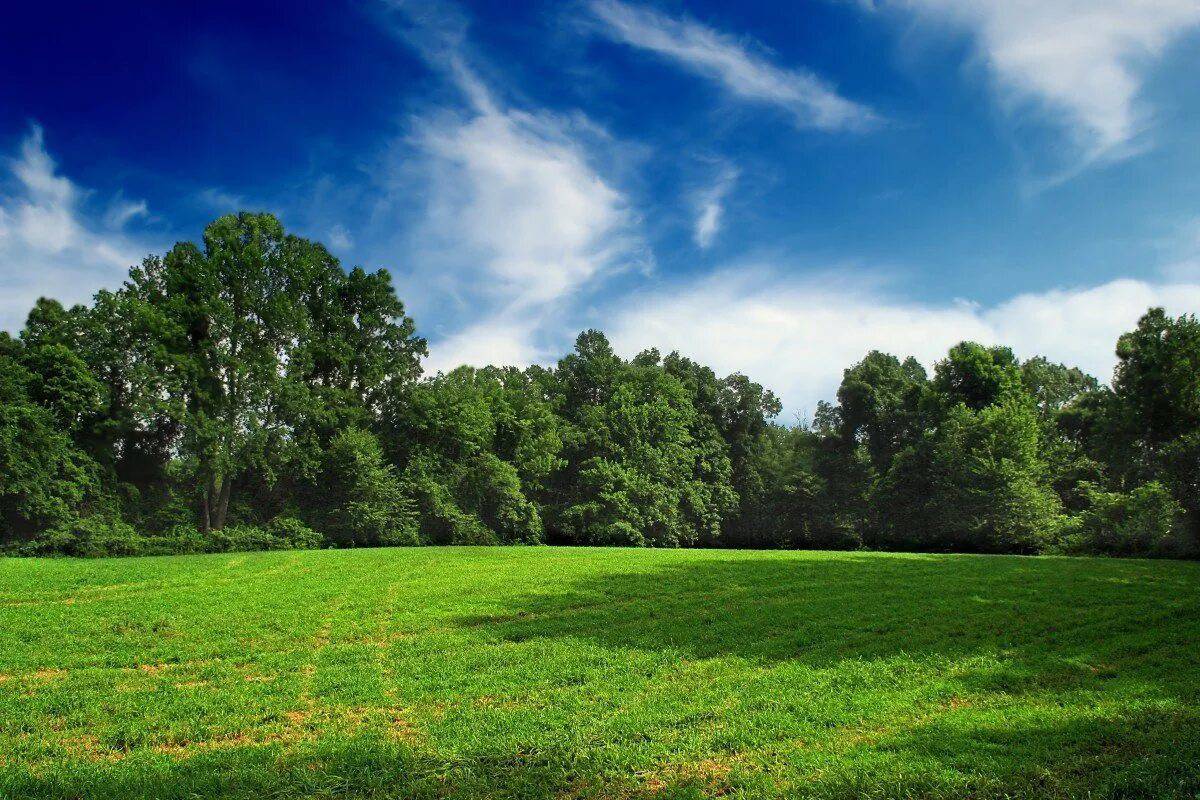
{"x":249,"y":393}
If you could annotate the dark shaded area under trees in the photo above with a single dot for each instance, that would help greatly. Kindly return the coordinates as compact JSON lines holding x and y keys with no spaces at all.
{"x":250,"y":393}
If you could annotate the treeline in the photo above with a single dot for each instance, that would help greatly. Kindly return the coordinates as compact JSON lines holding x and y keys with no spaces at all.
{"x":249,"y":393}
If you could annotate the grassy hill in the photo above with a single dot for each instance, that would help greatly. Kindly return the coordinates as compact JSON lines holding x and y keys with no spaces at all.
{"x":579,"y":673}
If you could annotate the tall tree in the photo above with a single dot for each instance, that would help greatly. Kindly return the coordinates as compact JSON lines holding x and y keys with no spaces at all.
{"x":264,"y":329}
{"x":1157,"y":380}
{"x":879,"y":401}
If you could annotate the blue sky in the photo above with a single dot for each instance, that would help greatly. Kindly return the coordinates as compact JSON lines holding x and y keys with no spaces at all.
{"x":771,"y":188}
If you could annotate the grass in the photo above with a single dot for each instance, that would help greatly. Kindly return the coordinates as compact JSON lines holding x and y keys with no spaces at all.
{"x":575,"y":673}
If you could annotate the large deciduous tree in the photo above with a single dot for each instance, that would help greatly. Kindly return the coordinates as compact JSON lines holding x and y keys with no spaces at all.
{"x":268,"y":337}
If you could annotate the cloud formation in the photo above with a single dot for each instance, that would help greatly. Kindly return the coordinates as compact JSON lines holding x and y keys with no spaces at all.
{"x":516,"y":198}
{"x":710,"y":208}
{"x":1082,"y":60}
{"x":49,"y":245}
{"x":517,"y":216}
{"x":737,"y":65}
{"x":796,"y":336}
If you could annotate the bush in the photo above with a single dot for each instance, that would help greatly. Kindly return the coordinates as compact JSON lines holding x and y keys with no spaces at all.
{"x":240,"y":538}
{"x":365,"y":503}
{"x":87,"y":537}
{"x":297,"y":535}
{"x":1146,"y":521}
{"x":177,"y":540}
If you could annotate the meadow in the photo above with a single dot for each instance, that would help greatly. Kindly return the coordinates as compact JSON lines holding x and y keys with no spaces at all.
{"x":593,"y":672}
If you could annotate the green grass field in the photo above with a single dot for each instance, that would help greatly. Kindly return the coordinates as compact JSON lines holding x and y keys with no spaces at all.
{"x":574,"y":673}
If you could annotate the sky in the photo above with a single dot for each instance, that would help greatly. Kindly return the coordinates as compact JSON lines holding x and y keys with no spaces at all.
{"x":769,"y":188}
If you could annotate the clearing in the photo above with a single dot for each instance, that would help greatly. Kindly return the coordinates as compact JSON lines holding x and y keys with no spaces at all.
{"x":592,"y":672}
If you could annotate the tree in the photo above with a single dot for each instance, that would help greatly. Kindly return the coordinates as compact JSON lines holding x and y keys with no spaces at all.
{"x":879,"y":400}
{"x":978,"y":484}
{"x":44,"y":479}
{"x":1053,"y":387}
{"x":1061,"y":396}
{"x":477,"y":448}
{"x":975,"y":376}
{"x":1157,"y":385}
{"x":268,"y":337}
{"x":363,"y":503}
{"x":737,"y":410}
{"x":643,"y":467}
{"x":1158,"y":375}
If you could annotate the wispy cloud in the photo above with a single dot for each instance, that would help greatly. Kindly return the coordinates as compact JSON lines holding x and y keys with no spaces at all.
{"x":220,"y":201}
{"x":1182,"y":253}
{"x":1083,"y":61}
{"x":738,"y":65}
{"x":121,"y":212}
{"x":49,"y":244}
{"x":515,"y":197}
{"x":797,"y":335}
{"x":710,"y":207}
{"x":517,"y":216}
{"x":339,"y":238}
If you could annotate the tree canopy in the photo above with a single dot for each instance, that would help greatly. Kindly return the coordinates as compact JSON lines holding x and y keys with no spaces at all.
{"x":251,"y":392}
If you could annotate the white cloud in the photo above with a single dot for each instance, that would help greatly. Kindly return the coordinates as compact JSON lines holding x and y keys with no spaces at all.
{"x":220,"y":200}
{"x":514,"y":197}
{"x":500,"y":339}
{"x":516,"y":216}
{"x":737,"y":65}
{"x":796,"y":336}
{"x":1084,"y":60}
{"x":48,"y":245}
{"x":121,"y":212}
{"x":340,"y":238}
{"x":710,"y":208}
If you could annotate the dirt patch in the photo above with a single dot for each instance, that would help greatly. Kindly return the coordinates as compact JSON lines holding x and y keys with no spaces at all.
{"x":87,"y":747}
{"x":709,"y":774}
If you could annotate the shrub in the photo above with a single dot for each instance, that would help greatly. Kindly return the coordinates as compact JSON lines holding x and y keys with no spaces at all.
{"x":87,"y":537}
{"x":1146,"y":521}
{"x":366,"y":504}
{"x":239,"y":538}
{"x":177,"y":539}
{"x":295,"y":533}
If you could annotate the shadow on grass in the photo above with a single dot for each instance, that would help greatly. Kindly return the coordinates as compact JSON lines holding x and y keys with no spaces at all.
{"x":822,"y":610}
{"x":1144,"y":754}
{"x":1057,"y":627}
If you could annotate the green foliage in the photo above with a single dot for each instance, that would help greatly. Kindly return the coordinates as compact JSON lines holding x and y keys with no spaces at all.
{"x":1158,"y":375}
{"x":1146,"y":521}
{"x":479,"y":446}
{"x":46,"y":483}
{"x":975,"y":376}
{"x":250,"y":392}
{"x":294,"y":533}
{"x":1156,"y":394}
{"x":643,"y":466}
{"x":275,"y":348}
{"x":976,"y":485}
{"x":362,"y":501}
{"x":879,"y":402}
{"x":236,"y":538}
{"x":1054,"y":387}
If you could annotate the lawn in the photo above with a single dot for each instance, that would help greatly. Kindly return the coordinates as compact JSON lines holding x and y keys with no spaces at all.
{"x":574,"y":673}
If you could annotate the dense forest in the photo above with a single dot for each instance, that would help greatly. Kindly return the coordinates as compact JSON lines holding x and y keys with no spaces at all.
{"x":250,"y":393}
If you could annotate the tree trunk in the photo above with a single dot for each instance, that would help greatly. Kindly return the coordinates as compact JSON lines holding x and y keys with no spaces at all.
{"x":206,"y":509}
{"x":223,"y":502}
